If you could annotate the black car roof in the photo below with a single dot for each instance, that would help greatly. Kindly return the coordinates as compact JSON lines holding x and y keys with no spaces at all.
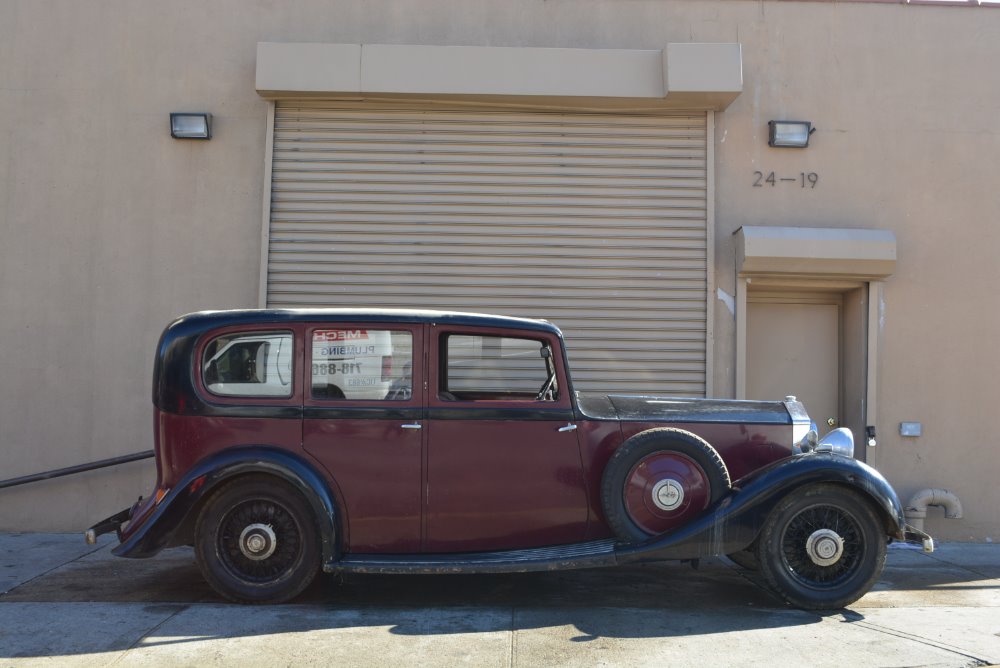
{"x":204,"y":320}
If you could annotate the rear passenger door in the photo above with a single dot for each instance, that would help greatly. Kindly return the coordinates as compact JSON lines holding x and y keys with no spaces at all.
{"x":503,"y":465}
{"x":363,"y":411}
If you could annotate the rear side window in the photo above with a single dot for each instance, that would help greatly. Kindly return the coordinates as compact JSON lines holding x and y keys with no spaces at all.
{"x":249,"y":364}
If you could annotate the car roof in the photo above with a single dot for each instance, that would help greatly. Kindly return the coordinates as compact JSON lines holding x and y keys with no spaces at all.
{"x":204,"y":320}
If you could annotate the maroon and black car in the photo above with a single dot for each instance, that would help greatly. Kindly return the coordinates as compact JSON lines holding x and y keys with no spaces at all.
{"x":293,"y":441}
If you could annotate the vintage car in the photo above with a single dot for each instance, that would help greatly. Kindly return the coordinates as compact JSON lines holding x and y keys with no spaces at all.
{"x":377,"y":441}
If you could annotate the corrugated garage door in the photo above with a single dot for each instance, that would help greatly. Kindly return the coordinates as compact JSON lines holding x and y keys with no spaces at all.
{"x":596,"y":222}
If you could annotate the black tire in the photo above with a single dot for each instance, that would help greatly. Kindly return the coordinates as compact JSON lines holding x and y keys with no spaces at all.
{"x":791,"y":568}
{"x":746,"y":559}
{"x":631,"y":523}
{"x":256,"y":541}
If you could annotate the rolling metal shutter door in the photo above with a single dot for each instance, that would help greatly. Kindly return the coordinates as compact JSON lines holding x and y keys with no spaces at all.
{"x":596,"y":222}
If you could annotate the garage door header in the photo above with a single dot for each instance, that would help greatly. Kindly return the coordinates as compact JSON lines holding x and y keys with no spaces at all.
{"x":682,"y":76}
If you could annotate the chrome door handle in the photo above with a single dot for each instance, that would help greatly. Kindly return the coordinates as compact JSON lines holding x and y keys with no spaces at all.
{"x":569,"y":427}
{"x":412,"y":426}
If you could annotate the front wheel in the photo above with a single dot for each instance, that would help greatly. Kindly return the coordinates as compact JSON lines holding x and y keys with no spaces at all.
{"x":256,"y":541}
{"x":822,"y":547}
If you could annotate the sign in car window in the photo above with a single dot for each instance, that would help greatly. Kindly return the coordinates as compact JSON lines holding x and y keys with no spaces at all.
{"x":362,"y":364}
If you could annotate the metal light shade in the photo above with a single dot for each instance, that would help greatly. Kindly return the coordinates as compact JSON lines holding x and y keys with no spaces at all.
{"x":789,"y":134}
{"x":191,"y":126}
{"x":839,"y":442}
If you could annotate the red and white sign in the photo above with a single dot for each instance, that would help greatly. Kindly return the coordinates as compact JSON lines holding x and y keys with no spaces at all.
{"x":333,"y":335}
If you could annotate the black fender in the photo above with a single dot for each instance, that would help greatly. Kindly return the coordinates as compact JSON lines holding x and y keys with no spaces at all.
{"x":159,"y":529}
{"x":734,"y":522}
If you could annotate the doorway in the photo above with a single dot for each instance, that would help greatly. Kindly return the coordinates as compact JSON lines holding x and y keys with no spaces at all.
{"x":793,"y":347}
{"x":808,"y":321}
{"x":812,"y":344}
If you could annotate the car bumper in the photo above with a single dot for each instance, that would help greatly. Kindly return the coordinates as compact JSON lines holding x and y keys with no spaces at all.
{"x":125,"y":522}
{"x":113,"y":523}
{"x":914,"y":535}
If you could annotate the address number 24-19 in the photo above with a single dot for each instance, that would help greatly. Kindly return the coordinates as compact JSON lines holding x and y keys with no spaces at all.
{"x":804,"y":180}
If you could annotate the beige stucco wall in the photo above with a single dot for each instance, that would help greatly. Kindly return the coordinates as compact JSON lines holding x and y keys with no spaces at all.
{"x":110,"y":228}
{"x":905,"y":108}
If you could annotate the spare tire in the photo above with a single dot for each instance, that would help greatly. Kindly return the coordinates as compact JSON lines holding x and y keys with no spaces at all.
{"x":659,"y":480}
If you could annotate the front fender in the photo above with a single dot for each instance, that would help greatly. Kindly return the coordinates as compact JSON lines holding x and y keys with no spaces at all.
{"x":734,"y":522}
{"x":151,"y":532}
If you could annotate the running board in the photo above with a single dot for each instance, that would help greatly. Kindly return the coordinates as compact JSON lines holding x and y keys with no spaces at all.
{"x":580,"y":555}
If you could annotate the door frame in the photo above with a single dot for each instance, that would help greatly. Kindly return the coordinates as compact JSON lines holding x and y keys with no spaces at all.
{"x":853,"y":261}
{"x":805,"y":290}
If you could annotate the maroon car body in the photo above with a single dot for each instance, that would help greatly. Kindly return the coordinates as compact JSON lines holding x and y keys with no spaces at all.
{"x":453,"y":457}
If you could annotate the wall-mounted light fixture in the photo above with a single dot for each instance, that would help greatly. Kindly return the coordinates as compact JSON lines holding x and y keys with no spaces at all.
{"x":190,"y":126}
{"x":789,"y":134}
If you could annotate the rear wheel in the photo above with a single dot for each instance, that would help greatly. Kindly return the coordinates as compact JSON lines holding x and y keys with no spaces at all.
{"x":822,"y":547}
{"x":660,"y":480}
{"x":256,"y":541}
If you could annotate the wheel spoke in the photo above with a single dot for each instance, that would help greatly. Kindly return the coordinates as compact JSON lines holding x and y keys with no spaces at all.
{"x":286,"y":537}
{"x":796,"y":536}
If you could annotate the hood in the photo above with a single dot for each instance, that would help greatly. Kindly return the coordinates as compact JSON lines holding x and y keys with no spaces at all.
{"x":645,"y":408}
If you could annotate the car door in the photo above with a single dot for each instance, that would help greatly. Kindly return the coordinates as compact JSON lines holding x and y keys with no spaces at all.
{"x":362,"y":420}
{"x":503,"y":466}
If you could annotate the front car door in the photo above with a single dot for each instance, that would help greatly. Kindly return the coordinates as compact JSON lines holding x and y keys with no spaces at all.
{"x":503,"y":462}
{"x":362,"y":421}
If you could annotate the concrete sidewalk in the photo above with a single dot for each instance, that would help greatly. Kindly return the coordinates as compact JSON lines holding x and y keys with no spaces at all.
{"x":65,"y":603}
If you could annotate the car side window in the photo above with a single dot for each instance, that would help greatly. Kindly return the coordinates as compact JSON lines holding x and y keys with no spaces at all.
{"x":362,"y":364}
{"x":497,"y":368}
{"x":249,"y":364}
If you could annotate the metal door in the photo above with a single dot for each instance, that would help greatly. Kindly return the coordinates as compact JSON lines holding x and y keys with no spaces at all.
{"x":793,"y":347}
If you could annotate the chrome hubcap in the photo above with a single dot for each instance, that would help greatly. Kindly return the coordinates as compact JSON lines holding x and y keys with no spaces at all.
{"x":668,"y":494}
{"x":258,"y":542}
{"x":824,"y":547}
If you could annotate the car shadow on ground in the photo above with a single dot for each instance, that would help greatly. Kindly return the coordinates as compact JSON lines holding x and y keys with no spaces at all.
{"x":173,"y":577}
{"x":661,"y":600}
{"x":652,"y":601}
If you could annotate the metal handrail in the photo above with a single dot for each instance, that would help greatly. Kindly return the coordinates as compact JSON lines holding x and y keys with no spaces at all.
{"x":80,"y":468}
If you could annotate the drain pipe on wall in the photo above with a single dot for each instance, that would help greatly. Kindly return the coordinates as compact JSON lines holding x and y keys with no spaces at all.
{"x":916,"y":509}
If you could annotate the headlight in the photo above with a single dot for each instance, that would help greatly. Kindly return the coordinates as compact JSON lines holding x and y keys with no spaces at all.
{"x":839,"y":442}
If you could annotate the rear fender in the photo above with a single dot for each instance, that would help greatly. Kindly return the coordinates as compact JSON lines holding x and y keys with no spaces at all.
{"x":733,"y":523}
{"x":153,"y":531}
